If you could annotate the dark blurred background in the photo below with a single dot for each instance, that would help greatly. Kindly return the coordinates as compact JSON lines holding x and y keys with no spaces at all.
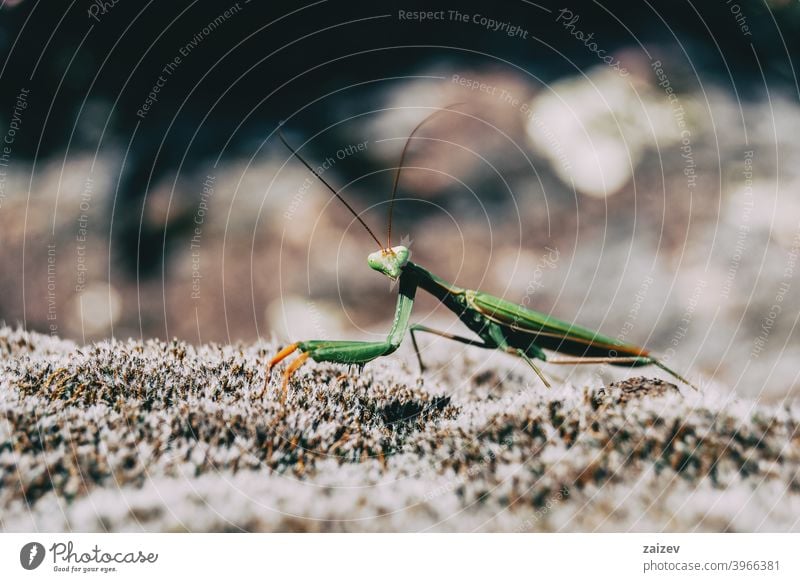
{"x":631,"y":166}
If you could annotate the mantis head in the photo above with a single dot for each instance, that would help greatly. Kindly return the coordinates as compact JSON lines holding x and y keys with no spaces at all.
{"x":390,"y":261}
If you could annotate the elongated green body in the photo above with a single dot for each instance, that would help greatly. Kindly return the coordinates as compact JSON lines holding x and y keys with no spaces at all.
{"x":499,"y":323}
{"x":521,"y":327}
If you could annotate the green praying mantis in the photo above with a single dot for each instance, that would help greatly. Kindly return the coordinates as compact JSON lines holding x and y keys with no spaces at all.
{"x":497,"y":323}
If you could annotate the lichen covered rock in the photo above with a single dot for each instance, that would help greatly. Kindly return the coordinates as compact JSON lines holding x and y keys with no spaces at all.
{"x":130,"y":436}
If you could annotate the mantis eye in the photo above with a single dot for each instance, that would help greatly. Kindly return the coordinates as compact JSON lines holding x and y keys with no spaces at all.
{"x":390,"y":262}
{"x":401,"y":254}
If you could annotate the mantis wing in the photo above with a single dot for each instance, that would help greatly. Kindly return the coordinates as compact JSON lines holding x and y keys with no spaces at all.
{"x":547,"y":331}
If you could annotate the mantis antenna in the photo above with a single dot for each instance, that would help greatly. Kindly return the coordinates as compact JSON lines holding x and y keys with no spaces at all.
{"x":331,"y":188}
{"x":400,"y":167}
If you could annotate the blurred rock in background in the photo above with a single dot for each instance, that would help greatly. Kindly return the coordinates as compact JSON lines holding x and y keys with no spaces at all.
{"x":144,"y":191}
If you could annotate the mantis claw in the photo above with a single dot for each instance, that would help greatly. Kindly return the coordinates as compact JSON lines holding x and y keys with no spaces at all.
{"x":284,"y":353}
{"x":290,"y":369}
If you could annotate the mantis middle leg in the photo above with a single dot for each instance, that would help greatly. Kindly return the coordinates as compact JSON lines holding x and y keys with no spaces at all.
{"x":464,"y":340}
{"x":499,"y":342}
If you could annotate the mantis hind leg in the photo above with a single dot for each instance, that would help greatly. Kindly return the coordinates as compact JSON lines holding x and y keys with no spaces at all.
{"x":522,"y":354}
{"x":631,"y":361}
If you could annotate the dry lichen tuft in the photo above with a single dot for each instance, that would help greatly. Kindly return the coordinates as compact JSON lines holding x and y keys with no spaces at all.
{"x":166,"y":436}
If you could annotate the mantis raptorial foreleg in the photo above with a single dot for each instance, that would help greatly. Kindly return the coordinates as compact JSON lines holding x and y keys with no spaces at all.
{"x":342,"y":352}
{"x":345,"y":351}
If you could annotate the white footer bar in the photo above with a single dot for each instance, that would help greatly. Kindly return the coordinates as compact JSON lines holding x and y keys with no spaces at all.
{"x":400,"y":557}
